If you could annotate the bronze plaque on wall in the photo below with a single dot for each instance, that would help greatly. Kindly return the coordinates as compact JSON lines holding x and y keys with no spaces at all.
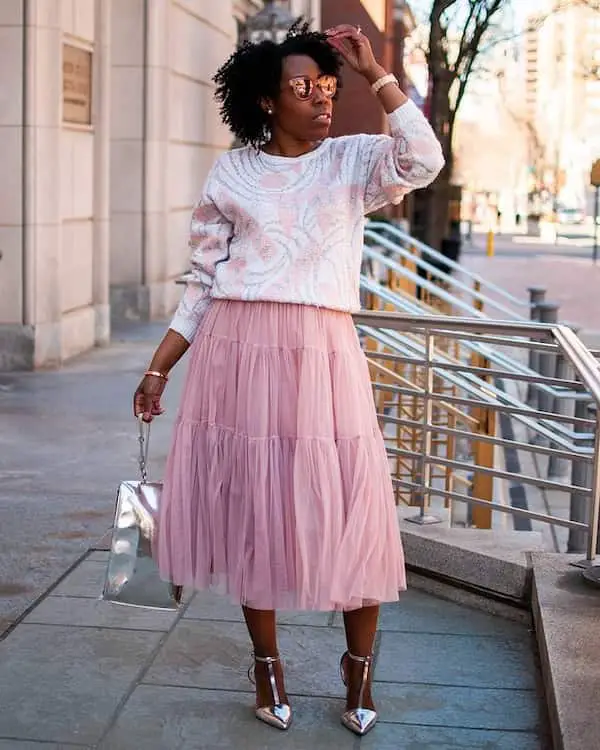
{"x":77,"y":85}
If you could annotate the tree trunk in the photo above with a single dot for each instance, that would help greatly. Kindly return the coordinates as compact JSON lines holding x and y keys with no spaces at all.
{"x":437,"y":197}
{"x":432,"y":204}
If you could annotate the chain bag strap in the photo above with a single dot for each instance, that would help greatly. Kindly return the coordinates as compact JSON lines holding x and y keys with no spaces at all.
{"x":144,"y":442}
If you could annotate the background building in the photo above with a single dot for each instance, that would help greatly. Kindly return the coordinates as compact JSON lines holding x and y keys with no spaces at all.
{"x":357,"y":111}
{"x":387,"y":23}
{"x":491,"y":142}
{"x":562,"y":73}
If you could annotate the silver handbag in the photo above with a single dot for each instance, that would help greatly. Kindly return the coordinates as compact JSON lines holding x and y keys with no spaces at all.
{"x":132,"y":576}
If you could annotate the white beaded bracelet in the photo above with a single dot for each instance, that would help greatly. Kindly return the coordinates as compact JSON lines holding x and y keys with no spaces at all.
{"x":383,"y":81}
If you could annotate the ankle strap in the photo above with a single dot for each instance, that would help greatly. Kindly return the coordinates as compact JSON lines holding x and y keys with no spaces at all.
{"x":265,"y":659}
{"x":361,"y":659}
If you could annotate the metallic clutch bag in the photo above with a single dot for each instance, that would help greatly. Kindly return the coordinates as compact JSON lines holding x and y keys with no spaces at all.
{"x":132,"y":576}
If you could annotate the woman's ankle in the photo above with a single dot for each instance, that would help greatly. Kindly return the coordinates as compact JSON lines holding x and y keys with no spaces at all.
{"x":264,"y":690}
{"x":355,"y":672}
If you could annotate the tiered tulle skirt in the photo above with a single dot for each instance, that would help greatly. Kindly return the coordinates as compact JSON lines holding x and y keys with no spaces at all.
{"x":277,"y":490}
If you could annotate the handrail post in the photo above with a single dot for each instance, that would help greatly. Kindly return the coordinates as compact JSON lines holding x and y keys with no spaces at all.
{"x":537,"y":296}
{"x":559,"y":467}
{"x":546,"y":364}
{"x":594,"y":507}
{"x":477,"y":301}
{"x":424,"y":517}
{"x":483,"y":453}
{"x":581,"y":476}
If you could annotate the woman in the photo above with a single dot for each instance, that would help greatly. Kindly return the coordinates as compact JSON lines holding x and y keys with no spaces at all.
{"x":277,"y":487}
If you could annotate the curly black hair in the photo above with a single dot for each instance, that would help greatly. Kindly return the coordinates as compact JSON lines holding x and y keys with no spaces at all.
{"x":253,"y":73}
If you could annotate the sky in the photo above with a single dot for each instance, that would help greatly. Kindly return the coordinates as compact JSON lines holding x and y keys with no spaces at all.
{"x":520,"y":8}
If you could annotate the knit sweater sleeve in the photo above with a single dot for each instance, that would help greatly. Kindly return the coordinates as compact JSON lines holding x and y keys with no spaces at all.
{"x":392,"y":166}
{"x":210,"y":233}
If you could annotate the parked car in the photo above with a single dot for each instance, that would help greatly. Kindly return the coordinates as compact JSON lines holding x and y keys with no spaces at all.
{"x":570,"y":216}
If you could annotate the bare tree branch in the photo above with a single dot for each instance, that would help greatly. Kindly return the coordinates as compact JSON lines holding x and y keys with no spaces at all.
{"x":472,"y":51}
{"x":462,"y":47}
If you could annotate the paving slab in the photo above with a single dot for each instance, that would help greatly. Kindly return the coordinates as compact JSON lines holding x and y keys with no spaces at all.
{"x":217,"y":655}
{"x":94,"y":613}
{"x":452,"y":706}
{"x":456,"y":660}
{"x":85,"y":581}
{"x":209,"y":605}
{"x":12,"y":744}
{"x":62,"y":684}
{"x":204,"y":654}
{"x":97,"y":555}
{"x":393,"y":737}
{"x":471,"y":600}
{"x":416,"y":609}
{"x":191,"y":719}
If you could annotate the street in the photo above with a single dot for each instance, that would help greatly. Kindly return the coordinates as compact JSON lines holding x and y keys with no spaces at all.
{"x":564,"y":269}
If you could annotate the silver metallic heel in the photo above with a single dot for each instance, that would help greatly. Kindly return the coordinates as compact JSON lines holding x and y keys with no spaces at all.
{"x":358,"y":720}
{"x":278,"y":715}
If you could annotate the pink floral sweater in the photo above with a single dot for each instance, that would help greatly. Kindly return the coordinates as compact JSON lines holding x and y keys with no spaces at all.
{"x":291,"y":229}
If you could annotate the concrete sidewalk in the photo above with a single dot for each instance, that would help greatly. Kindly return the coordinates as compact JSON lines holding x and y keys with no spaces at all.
{"x":67,"y":438}
{"x":83,"y":673}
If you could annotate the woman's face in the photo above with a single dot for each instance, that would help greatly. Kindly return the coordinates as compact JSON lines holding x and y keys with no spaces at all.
{"x":304,"y":107}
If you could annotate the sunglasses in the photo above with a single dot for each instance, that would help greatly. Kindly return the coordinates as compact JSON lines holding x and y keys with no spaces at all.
{"x":304,"y":86}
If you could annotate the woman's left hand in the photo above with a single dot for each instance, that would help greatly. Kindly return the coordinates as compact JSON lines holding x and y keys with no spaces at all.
{"x":354,"y":47}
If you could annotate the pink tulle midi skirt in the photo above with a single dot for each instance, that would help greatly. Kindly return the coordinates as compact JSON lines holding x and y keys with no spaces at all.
{"x":277,"y":490}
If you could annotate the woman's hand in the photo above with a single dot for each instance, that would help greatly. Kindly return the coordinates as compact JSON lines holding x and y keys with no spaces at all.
{"x":356,"y":50}
{"x":146,"y":399}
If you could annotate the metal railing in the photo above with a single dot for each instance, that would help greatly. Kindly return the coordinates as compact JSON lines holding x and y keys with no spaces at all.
{"x":384,"y":298}
{"x":439,"y":401}
{"x":430,"y":261}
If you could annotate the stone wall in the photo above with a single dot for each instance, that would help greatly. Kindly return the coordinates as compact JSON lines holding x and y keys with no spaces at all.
{"x":165,"y":135}
{"x":94,"y":213}
{"x":54,"y":204}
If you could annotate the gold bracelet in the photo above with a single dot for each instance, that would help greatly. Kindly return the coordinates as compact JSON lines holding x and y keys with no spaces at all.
{"x":383,"y":81}
{"x":157,"y":374}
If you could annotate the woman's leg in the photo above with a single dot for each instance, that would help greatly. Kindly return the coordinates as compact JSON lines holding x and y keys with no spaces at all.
{"x":360,"y":626}
{"x":263,"y":634}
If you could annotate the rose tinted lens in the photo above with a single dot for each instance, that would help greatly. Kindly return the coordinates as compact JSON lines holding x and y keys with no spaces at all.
{"x":328,"y":85}
{"x":302,"y":87}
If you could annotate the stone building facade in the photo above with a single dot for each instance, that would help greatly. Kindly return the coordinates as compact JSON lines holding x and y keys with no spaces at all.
{"x":107,"y":131}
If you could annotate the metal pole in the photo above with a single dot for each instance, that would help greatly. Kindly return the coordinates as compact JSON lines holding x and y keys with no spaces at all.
{"x":581,"y":476}
{"x":548,"y":313}
{"x":424,"y":517}
{"x":594,"y":508}
{"x":537,"y":296}
{"x":489,"y":245}
{"x":596,"y":210}
{"x":559,"y":467}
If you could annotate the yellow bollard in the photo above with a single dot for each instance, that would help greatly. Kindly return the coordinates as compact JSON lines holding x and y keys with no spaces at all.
{"x":490,"y":244}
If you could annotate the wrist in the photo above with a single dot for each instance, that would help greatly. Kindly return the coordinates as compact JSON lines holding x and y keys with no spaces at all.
{"x":155,"y":372}
{"x":374,"y":73}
